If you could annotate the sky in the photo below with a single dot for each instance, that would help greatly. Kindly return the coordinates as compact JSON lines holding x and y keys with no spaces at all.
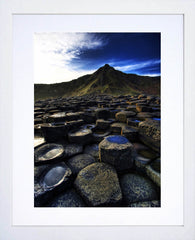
{"x":61,"y":57}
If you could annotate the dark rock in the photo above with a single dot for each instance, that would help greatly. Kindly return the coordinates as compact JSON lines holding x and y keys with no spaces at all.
{"x":53,"y":132}
{"x":68,"y":199}
{"x":72,"y":149}
{"x":38,"y":141}
{"x":82,"y":136}
{"x":99,"y":135}
{"x":50,"y":181}
{"x":102,"y":113}
{"x":154,"y":203}
{"x":116,"y":128}
{"x":48,"y":153}
{"x":58,"y":117}
{"x":98,"y":185}
{"x":149,"y":134}
{"x":123,"y":115}
{"x":117,"y":151}
{"x":102,"y":124}
{"x":136,"y":188}
{"x":133,"y":122}
{"x":153,"y":172}
{"x":144,"y":116}
{"x":92,"y":150}
{"x":79,"y":162}
{"x":130,"y":133}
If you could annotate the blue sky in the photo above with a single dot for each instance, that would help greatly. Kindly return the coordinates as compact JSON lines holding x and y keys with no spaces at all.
{"x":62,"y":57}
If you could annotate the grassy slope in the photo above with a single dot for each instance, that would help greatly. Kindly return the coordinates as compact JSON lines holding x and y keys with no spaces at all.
{"x":104,"y":80}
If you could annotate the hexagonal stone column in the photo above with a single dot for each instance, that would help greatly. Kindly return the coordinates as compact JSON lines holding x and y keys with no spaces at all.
{"x":82,"y":136}
{"x":117,"y":151}
{"x":136,"y":188}
{"x":123,"y":115}
{"x":149,"y":134}
{"x":98,"y":185}
{"x":153,"y":171}
{"x":49,"y":181}
{"x":48,"y":153}
{"x":79,"y":162}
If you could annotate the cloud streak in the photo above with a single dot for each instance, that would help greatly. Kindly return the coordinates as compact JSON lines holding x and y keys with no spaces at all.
{"x":53,"y":52}
{"x":137,"y":66}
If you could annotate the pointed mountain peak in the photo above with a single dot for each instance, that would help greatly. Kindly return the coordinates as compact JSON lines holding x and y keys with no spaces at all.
{"x":104,"y":68}
{"x":107,"y":66}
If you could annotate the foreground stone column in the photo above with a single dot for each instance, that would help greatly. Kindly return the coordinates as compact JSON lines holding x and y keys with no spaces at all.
{"x":117,"y":151}
{"x":98,"y":185}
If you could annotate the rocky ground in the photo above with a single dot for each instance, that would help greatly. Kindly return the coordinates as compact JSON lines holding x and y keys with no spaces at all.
{"x":95,"y":151}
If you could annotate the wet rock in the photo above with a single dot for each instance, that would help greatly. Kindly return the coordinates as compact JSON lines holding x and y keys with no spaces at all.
{"x":72,"y":149}
{"x":144,"y":116}
{"x":153,"y":172}
{"x":102,"y":124}
{"x":79,"y":162}
{"x":82,"y":136}
{"x":102,"y":113}
{"x":48,"y":153}
{"x":98,"y":185}
{"x":131,"y":108}
{"x":68,"y":199}
{"x":89,"y":117}
{"x":37,"y":129}
{"x":93,"y":150}
{"x":88,"y":126}
{"x":123,"y":115}
{"x":149,"y":134}
{"x":154,"y":203}
{"x":74,"y":124}
{"x":99,"y":135}
{"x":74,"y":116}
{"x":141,"y":163}
{"x":130,"y":133}
{"x":136,"y":188}
{"x":143,"y":108}
{"x":38,"y":121}
{"x":53,"y":132}
{"x":58,"y":117}
{"x":51,"y":181}
{"x":38,"y":141}
{"x":133,"y":122}
{"x":117,"y":151}
{"x":116,"y":128}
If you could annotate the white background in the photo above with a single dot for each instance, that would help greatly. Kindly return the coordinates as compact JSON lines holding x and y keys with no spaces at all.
{"x":163,"y":232}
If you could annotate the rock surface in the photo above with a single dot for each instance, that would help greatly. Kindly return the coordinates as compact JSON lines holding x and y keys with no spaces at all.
{"x":99,"y":186}
{"x":68,"y":199}
{"x":136,"y":188}
{"x":117,"y":151}
{"x":149,"y":133}
{"x":79,"y":162}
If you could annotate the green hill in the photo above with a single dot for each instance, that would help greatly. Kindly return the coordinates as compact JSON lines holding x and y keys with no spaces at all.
{"x":106,"y":80}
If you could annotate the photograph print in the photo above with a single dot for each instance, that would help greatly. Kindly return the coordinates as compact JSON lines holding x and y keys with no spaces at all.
{"x":97,"y":118}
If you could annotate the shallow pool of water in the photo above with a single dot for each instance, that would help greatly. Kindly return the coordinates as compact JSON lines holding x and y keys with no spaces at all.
{"x":117,"y":139}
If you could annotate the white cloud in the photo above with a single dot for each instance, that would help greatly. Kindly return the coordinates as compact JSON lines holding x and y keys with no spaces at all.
{"x":137,"y":66}
{"x":54,"y":51}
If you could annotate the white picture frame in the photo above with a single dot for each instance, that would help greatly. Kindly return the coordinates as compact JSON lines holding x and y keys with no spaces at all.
{"x":8,"y":231}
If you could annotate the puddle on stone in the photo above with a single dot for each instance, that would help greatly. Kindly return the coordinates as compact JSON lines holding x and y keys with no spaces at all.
{"x":135,"y":120}
{"x":61,"y":114}
{"x":157,"y":119}
{"x":117,"y":139}
{"x":54,"y":176}
{"x":50,"y":153}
